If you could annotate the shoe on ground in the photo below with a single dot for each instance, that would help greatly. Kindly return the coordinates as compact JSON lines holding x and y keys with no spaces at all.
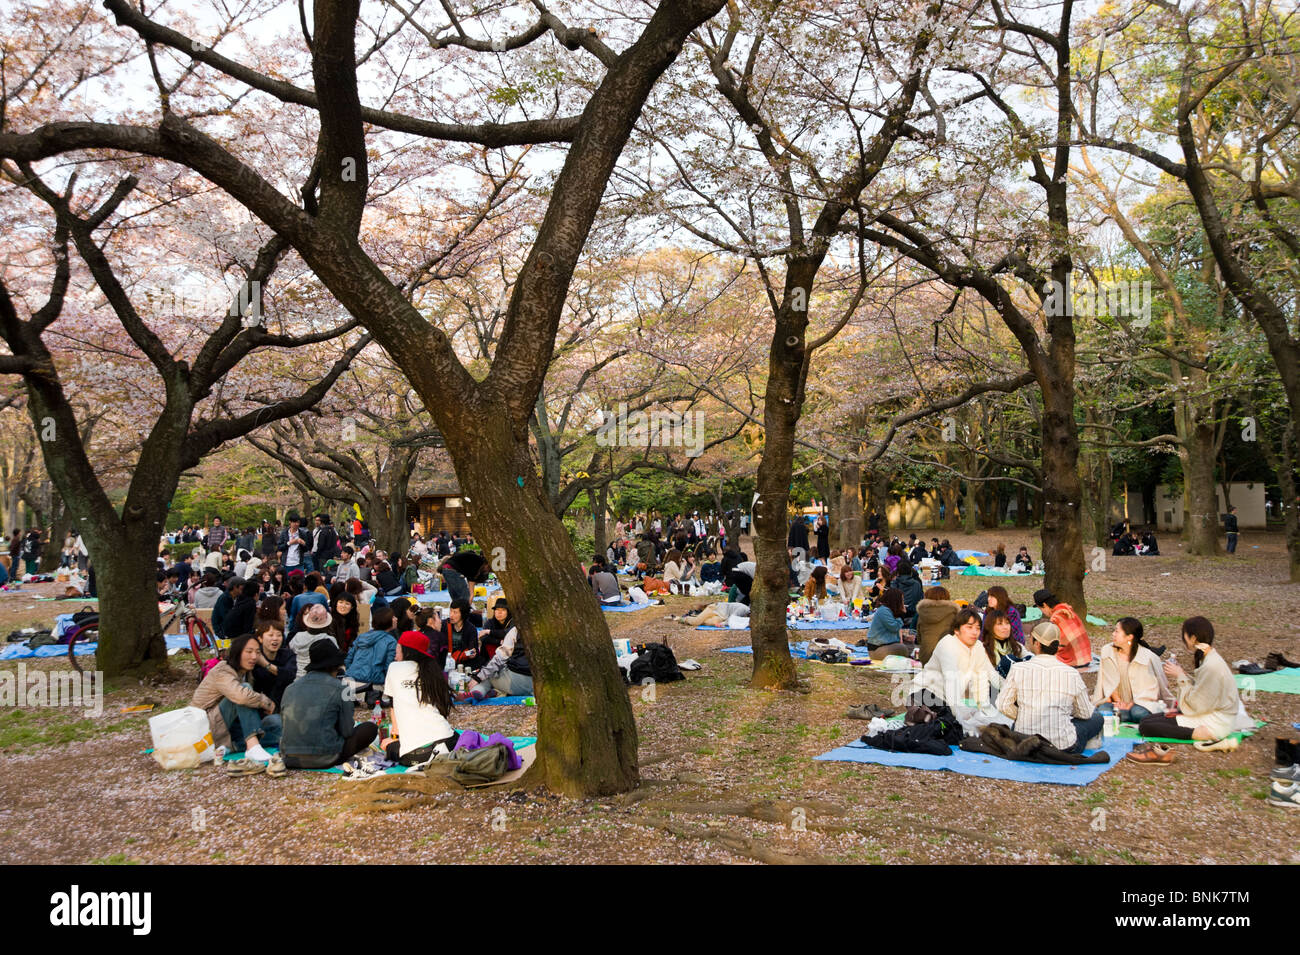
{"x":244,"y":767}
{"x":861,"y":711}
{"x":1152,"y":754}
{"x":1286,"y":774}
{"x":1226,"y":745}
{"x":1287,"y":797}
{"x":276,"y":768}
{"x":1279,"y":661}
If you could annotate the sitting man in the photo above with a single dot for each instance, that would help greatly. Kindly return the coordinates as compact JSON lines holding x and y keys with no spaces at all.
{"x":1023,"y":562}
{"x":1076,"y":648}
{"x":1046,"y":696}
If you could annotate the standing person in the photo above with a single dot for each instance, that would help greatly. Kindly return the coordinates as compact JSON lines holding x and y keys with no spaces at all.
{"x":218,"y":536}
{"x":1230,"y":526}
{"x":324,"y":541}
{"x":31,"y":550}
{"x":823,"y":531}
{"x":798,"y":537}
{"x":293,"y":547}
{"x":246,"y":541}
{"x":270,"y":537}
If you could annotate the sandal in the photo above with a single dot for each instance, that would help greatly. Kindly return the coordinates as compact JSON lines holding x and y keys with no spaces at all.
{"x":245,"y":767}
{"x":1227,"y":744}
{"x":1152,"y":753}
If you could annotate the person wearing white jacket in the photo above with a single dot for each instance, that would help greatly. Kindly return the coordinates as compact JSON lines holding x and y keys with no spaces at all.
{"x":1209,"y":706}
{"x":958,"y":670}
{"x":1131,"y":676}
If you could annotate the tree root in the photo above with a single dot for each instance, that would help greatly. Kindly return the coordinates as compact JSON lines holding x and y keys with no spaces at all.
{"x":732,"y":842}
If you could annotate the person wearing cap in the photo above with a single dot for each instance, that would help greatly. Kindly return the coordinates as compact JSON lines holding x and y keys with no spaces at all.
{"x":371,"y":653}
{"x":1047,"y":696}
{"x":1076,"y":648}
{"x":317,"y":622}
{"x":421,"y":703}
{"x":508,"y":671}
{"x":318,"y":730}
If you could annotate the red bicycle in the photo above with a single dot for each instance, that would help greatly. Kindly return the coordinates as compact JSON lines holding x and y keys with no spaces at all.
{"x":203,"y":643}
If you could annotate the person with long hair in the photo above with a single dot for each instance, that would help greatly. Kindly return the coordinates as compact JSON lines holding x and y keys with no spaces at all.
{"x":346,"y":620}
{"x":999,"y":599}
{"x":420,"y":728}
{"x":846,"y":586}
{"x":999,"y":644}
{"x":1132,"y":680}
{"x":815,"y":586}
{"x":1208,"y":702}
{"x":1000,"y":555}
{"x":959,"y":669}
{"x":241,"y":719}
{"x":884,"y":636}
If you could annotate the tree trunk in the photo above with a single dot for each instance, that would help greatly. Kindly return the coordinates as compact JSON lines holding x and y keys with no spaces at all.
{"x":1062,"y":496}
{"x":1022,"y":506}
{"x":851,"y":527}
{"x":130,"y":636}
{"x":948,"y":494}
{"x":970,"y":510}
{"x":599,"y":514}
{"x":587,"y":741}
{"x":1200,"y":501}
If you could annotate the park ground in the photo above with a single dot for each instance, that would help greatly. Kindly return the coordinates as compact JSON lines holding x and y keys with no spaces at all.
{"x":728,"y":772}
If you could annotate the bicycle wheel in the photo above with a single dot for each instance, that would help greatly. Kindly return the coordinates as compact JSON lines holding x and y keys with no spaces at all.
{"x":202,"y":643}
{"x":87,"y":634}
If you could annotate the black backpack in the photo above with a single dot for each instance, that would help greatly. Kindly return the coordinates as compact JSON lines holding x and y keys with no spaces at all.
{"x":656,"y":662}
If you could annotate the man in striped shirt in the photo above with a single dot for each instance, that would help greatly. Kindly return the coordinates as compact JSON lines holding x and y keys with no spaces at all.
{"x":1048,"y":697}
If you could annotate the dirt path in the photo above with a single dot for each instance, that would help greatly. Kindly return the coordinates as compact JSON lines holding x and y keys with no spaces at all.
{"x":729,"y":774}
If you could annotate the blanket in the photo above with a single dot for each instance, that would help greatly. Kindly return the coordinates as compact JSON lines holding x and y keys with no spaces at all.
{"x":974,"y":571}
{"x":442,"y":596}
{"x":1033,"y":613}
{"x":20,"y":651}
{"x":985,"y":767}
{"x":1280,"y":681}
{"x":1130,"y":731}
{"x":849,"y":624}
{"x":626,"y":608}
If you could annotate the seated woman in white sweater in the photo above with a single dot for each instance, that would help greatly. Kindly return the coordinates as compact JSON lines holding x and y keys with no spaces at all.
{"x":846,"y":585}
{"x":673,"y":566}
{"x":1131,"y":678}
{"x":1208,"y":703}
{"x":958,"y":670}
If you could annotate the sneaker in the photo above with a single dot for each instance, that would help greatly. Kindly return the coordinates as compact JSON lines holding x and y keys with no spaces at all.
{"x":1286,"y":774}
{"x":1287,"y":797}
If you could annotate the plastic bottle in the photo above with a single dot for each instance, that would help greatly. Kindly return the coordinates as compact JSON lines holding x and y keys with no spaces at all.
{"x":377,"y":714}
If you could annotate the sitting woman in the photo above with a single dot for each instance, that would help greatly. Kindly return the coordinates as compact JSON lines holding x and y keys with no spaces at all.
{"x":508,"y":672}
{"x":241,"y":719}
{"x":421,"y":704}
{"x":999,"y":599}
{"x":673,"y":567}
{"x":459,"y":636}
{"x":934,"y":615}
{"x":880,"y":585}
{"x":815,"y":587}
{"x":1131,"y":678}
{"x":277,"y":665}
{"x":1000,"y":556}
{"x":847,"y":586}
{"x":318,"y":727}
{"x":959,"y":670}
{"x":1208,"y":702}
{"x":999,"y":644}
{"x":346,"y":620}
{"x":884,"y":636}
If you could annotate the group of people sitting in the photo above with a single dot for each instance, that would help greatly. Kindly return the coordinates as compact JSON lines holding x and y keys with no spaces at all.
{"x":987,"y":670}
{"x":1129,"y":542}
{"x":298,"y":663}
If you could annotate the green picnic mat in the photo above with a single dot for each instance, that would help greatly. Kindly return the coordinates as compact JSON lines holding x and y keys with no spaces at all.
{"x":1279,"y":681}
{"x":971,"y":570}
{"x":1130,"y":731}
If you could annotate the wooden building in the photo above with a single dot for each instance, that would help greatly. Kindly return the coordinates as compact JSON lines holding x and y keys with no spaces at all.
{"x":439,"y":508}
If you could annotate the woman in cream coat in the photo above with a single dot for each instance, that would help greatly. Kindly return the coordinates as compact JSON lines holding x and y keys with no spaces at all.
{"x":1131,"y":676}
{"x":1209,"y":707}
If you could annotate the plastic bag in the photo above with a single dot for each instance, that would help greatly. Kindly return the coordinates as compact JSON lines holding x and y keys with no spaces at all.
{"x":182,"y":739}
